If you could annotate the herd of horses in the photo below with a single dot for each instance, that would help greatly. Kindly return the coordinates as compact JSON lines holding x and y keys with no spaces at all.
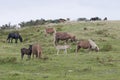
{"x":36,"y":49}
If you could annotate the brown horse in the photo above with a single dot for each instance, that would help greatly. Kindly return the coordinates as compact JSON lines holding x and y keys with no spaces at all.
{"x":36,"y":50}
{"x":63,"y":36}
{"x":87,"y":44}
{"x":49,"y":31}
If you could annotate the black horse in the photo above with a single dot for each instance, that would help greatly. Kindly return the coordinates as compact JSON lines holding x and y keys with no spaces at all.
{"x":26,"y":51}
{"x":14,"y":35}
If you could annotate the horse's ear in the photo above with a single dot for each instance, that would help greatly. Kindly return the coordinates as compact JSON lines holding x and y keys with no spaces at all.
{"x":30,"y":46}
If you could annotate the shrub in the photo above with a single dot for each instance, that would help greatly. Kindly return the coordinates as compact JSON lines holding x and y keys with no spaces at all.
{"x":107,"y":47}
{"x":101,"y":32}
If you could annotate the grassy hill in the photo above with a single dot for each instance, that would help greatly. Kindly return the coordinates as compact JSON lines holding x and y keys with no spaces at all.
{"x":102,"y":65}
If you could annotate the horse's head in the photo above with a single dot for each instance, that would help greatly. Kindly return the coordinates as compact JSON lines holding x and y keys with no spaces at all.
{"x":73,"y":38}
{"x":97,"y":49}
{"x":30,"y":48}
{"x":20,"y":38}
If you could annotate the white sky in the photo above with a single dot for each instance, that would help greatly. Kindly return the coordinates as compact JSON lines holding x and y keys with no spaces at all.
{"x":16,"y":11}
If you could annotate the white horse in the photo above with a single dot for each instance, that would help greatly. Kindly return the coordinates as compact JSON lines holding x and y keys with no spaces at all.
{"x":62,"y":47}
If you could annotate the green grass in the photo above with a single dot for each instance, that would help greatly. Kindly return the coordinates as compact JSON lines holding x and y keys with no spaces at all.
{"x":104,"y":65}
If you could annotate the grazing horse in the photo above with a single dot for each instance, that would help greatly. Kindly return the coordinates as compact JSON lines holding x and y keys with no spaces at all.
{"x":63,"y":36}
{"x":26,"y":51}
{"x":49,"y":31}
{"x":87,"y":44}
{"x":37,"y":50}
{"x":15,"y":36}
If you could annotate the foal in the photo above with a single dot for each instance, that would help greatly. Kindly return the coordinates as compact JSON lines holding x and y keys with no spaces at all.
{"x":26,"y":51}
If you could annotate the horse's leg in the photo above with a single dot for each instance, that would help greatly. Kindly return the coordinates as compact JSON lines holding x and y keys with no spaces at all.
{"x":29,"y":56}
{"x":16,"y":40}
{"x":58,"y":51}
{"x":11,"y":40}
{"x":66,"y":40}
{"x":8,"y":40}
{"x":56,"y":41}
{"x":77,"y":48}
{"x":22,"y":55}
{"x":38,"y":54}
{"x":90,"y":49}
{"x":33,"y":55}
{"x":66,"y":51}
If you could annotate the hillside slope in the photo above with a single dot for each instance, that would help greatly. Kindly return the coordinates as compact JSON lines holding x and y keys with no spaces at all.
{"x":83,"y":66}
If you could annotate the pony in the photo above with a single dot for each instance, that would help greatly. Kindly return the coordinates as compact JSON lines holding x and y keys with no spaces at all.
{"x":62,"y":47}
{"x":26,"y":51}
{"x":37,"y":50}
{"x":63,"y":36}
{"x":87,"y":44}
{"x":14,"y":35}
{"x":49,"y":31}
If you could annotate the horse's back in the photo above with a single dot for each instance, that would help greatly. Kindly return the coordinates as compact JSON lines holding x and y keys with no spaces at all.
{"x":62,"y":35}
{"x":84,"y":44}
{"x":36,"y":48}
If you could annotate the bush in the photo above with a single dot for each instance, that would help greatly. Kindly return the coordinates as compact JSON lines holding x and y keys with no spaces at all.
{"x":107,"y":47}
{"x":101,"y":32}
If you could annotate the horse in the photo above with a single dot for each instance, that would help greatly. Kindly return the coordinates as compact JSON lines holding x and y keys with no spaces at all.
{"x":63,"y":36}
{"x":105,"y":19}
{"x":49,"y":31}
{"x":14,"y":35}
{"x":26,"y":51}
{"x":62,"y":47}
{"x":37,"y":50}
{"x":95,"y":19}
{"x":87,"y":44}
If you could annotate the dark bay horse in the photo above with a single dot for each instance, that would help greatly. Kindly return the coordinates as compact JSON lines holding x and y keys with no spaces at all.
{"x":26,"y":51}
{"x":63,"y":36}
{"x":14,"y":35}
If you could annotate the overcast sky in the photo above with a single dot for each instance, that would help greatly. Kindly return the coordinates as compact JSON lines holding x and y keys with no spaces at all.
{"x":16,"y":11}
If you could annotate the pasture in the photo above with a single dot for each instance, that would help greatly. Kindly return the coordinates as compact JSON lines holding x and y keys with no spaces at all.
{"x":102,"y":65}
